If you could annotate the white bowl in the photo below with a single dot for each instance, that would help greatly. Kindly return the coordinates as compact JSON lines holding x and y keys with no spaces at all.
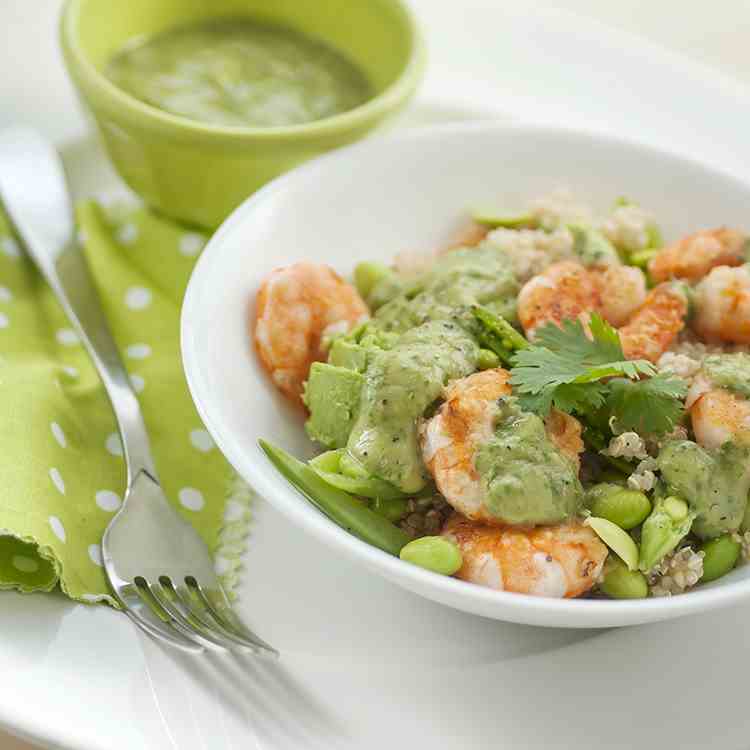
{"x":370,"y":201}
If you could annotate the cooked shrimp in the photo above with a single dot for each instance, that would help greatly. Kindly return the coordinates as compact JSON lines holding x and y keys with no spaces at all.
{"x":464,"y":423}
{"x":722,"y":305}
{"x":555,"y":561}
{"x":622,"y":290}
{"x":654,"y":326}
{"x":717,"y":415}
{"x":450,"y":439}
{"x":695,"y":255}
{"x":295,"y":307}
{"x":566,"y":290}
{"x":565,"y":432}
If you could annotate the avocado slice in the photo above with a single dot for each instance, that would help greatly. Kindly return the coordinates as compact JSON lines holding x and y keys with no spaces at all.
{"x":345,"y":353}
{"x":332,"y":396}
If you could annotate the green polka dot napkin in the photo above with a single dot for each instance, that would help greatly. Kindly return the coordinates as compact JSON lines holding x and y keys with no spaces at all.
{"x":61,"y":464}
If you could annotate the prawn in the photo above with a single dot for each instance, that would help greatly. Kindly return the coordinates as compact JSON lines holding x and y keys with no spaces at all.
{"x":565,"y":560}
{"x":622,"y":290}
{"x":465,"y":422}
{"x":295,"y":308}
{"x":717,"y":414}
{"x":566,"y":290}
{"x":652,"y":329}
{"x":692,"y":257}
{"x":722,"y":305}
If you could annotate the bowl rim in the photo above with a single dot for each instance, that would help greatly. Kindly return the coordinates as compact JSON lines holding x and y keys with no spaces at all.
{"x":270,"y":485}
{"x":374,"y":108}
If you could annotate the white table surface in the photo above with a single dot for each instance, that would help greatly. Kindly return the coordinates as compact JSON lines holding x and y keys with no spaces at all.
{"x":715,"y":34}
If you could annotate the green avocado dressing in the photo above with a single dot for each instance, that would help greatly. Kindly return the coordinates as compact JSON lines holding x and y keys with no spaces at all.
{"x":240,"y":72}
{"x":459,"y":279}
{"x":730,"y":371}
{"x":714,"y":483}
{"x":400,"y":383}
{"x":528,"y":479}
{"x":422,"y":336}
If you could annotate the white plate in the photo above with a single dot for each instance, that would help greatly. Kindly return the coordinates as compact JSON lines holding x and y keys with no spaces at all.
{"x":387,"y":668}
{"x":407,"y":192}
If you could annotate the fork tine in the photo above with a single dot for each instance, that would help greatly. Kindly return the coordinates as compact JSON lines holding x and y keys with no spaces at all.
{"x":195,"y":606}
{"x":181,"y":623}
{"x":189,"y":618}
{"x":229,"y":621}
{"x":142,"y":615}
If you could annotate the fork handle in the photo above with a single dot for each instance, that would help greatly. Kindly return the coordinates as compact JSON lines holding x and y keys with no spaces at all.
{"x":42,"y":215}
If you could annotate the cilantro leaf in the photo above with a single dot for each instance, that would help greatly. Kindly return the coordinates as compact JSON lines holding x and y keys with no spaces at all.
{"x":649,"y":407}
{"x":563,"y":357}
{"x":573,"y":397}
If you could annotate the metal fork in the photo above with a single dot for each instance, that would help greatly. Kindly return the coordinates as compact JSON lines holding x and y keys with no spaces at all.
{"x":158,"y":567}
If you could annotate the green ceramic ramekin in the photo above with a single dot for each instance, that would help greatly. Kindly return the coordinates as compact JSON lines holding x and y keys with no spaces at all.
{"x":199,"y":173}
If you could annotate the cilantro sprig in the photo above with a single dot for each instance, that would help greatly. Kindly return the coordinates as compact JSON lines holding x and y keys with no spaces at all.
{"x":589,"y":375}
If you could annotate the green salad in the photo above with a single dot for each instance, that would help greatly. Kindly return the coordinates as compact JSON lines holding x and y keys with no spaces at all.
{"x":553,"y":405}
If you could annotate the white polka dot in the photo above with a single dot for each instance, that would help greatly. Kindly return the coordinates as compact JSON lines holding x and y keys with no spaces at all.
{"x":95,"y":553}
{"x":67,"y":337}
{"x":137,"y":382}
{"x":191,"y":243}
{"x":10,"y":247}
{"x":201,"y":440}
{"x":5,"y":294}
{"x":114,"y":444}
{"x":57,"y":479}
{"x":138,"y":351}
{"x":70,"y":372}
{"x":233,"y":511}
{"x":107,"y":500}
{"x":58,"y":434}
{"x":4,"y":322}
{"x":57,"y":528}
{"x":25,"y":564}
{"x":138,"y":297}
{"x":191,"y":498}
{"x":127,"y":234}
{"x":221,"y":566}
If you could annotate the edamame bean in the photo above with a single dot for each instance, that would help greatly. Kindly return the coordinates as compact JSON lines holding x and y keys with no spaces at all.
{"x":367,"y":275}
{"x":621,"y":583}
{"x":435,"y":553}
{"x":617,"y":539}
{"x":626,"y":508}
{"x":487,"y":359}
{"x":721,"y":555}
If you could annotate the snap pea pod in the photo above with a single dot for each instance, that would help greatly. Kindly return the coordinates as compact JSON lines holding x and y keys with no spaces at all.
{"x":394,"y":509}
{"x":497,"y":335}
{"x":328,"y":467}
{"x":495,"y":220}
{"x":669,"y":521}
{"x":617,"y":539}
{"x":340,"y":507}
